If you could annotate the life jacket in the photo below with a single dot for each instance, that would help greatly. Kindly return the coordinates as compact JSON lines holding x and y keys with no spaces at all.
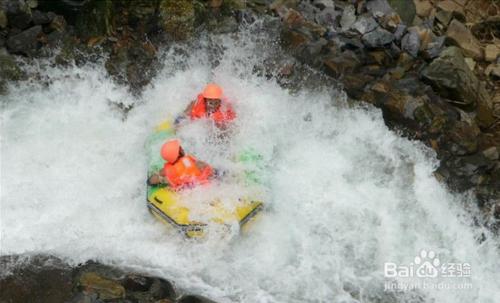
{"x":185,"y":173}
{"x":224,"y":114}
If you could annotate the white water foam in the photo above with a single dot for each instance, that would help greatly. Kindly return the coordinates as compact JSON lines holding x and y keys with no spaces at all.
{"x":344,"y":194}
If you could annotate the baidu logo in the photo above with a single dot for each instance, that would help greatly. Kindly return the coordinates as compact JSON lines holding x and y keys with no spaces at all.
{"x":426,"y":265}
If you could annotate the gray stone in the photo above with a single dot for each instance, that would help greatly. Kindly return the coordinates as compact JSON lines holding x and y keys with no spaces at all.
{"x":405,"y":8}
{"x":460,"y":35}
{"x":452,"y":78}
{"x":18,"y":14}
{"x":377,"y":38}
{"x":399,"y":32}
{"x":40,"y":18}
{"x":434,"y":48}
{"x":58,"y":23}
{"x":411,"y":42}
{"x":379,"y":7}
{"x":365,"y":24}
{"x":491,"y":153}
{"x":25,"y":42}
{"x":348,"y":18}
{"x":307,"y":10}
{"x":322,"y":4}
{"x":328,"y":17}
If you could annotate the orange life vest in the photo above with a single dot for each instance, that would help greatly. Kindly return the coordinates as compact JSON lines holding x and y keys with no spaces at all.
{"x":184,"y":172}
{"x":224,"y":114}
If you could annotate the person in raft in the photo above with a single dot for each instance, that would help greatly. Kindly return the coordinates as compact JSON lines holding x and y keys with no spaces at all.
{"x":180,"y":170}
{"x":209,"y":104}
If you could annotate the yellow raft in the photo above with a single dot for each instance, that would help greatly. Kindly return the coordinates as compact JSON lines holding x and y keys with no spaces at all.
{"x":167,"y":205}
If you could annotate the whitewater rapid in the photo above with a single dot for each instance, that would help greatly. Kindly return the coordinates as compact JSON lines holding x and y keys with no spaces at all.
{"x":344,"y":194}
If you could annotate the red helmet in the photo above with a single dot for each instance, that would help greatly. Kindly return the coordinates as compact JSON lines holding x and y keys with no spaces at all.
{"x":170,"y":150}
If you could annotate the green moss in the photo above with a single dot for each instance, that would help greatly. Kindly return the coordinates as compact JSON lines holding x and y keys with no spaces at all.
{"x":178,"y":18}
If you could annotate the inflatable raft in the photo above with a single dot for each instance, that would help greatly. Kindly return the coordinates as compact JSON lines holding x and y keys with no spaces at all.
{"x":167,"y":205}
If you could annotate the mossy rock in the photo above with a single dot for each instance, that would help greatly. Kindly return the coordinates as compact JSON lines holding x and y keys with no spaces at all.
{"x":96,"y":19}
{"x":178,"y":18}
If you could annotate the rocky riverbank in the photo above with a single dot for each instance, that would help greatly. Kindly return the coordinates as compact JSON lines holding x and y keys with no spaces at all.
{"x":49,"y":279}
{"x":432,"y":67}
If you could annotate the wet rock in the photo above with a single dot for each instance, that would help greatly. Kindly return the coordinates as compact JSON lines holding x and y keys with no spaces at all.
{"x":162,"y":289}
{"x":85,"y":298}
{"x":444,"y":17}
{"x":194,"y":299}
{"x":434,"y":48}
{"x":399,"y":32}
{"x":491,"y":153}
{"x":379,"y":7}
{"x":466,"y":171}
{"x":453,"y":8}
{"x":348,"y":17}
{"x":37,"y":279}
{"x":345,"y":63}
{"x":18,"y":13}
{"x":364,"y":24}
{"x":411,"y":42}
{"x":40,"y":18}
{"x":423,"y":8}
{"x":134,"y":65}
{"x":452,"y":78}
{"x":94,"y":19}
{"x":294,"y":40}
{"x":25,"y":42}
{"x":3,"y":19}
{"x":377,"y":38}
{"x":137,"y":283}
{"x":470,"y":63}
{"x":461,"y":36}
{"x":178,"y":18}
{"x":58,"y":24}
{"x":491,"y":52}
{"x":328,"y":17}
{"x":463,"y":137}
{"x":493,"y":70}
{"x":405,"y":9}
{"x":9,"y":70}
{"x":105,"y":288}
{"x":307,"y":10}
{"x":390,"y":22}
{"x":322,"y":4}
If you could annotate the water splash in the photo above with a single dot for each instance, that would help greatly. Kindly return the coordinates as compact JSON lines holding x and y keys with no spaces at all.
{"x":344,"y":196}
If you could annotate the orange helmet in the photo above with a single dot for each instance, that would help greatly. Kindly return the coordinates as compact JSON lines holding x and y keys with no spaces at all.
{"x":170,"y":150}
{"x":212,"y":91}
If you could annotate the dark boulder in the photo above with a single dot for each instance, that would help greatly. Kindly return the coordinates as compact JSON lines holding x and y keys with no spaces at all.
{"x":450,"y":76}
{"x":40,"y":18}
{"x":377,"y":38}
{"x":26,"y":42}
{"x":18,"y":13}
{"x":39,"y":279}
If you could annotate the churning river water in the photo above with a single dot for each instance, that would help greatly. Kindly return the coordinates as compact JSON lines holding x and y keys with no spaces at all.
{"x":349,"y":203}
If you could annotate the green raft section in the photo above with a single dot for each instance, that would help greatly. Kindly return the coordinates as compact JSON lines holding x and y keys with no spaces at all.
{"x":167,"y":205}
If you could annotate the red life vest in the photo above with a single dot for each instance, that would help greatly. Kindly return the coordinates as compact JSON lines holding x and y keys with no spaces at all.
{"x":224,"y":114}
{"x":184,"y":172}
